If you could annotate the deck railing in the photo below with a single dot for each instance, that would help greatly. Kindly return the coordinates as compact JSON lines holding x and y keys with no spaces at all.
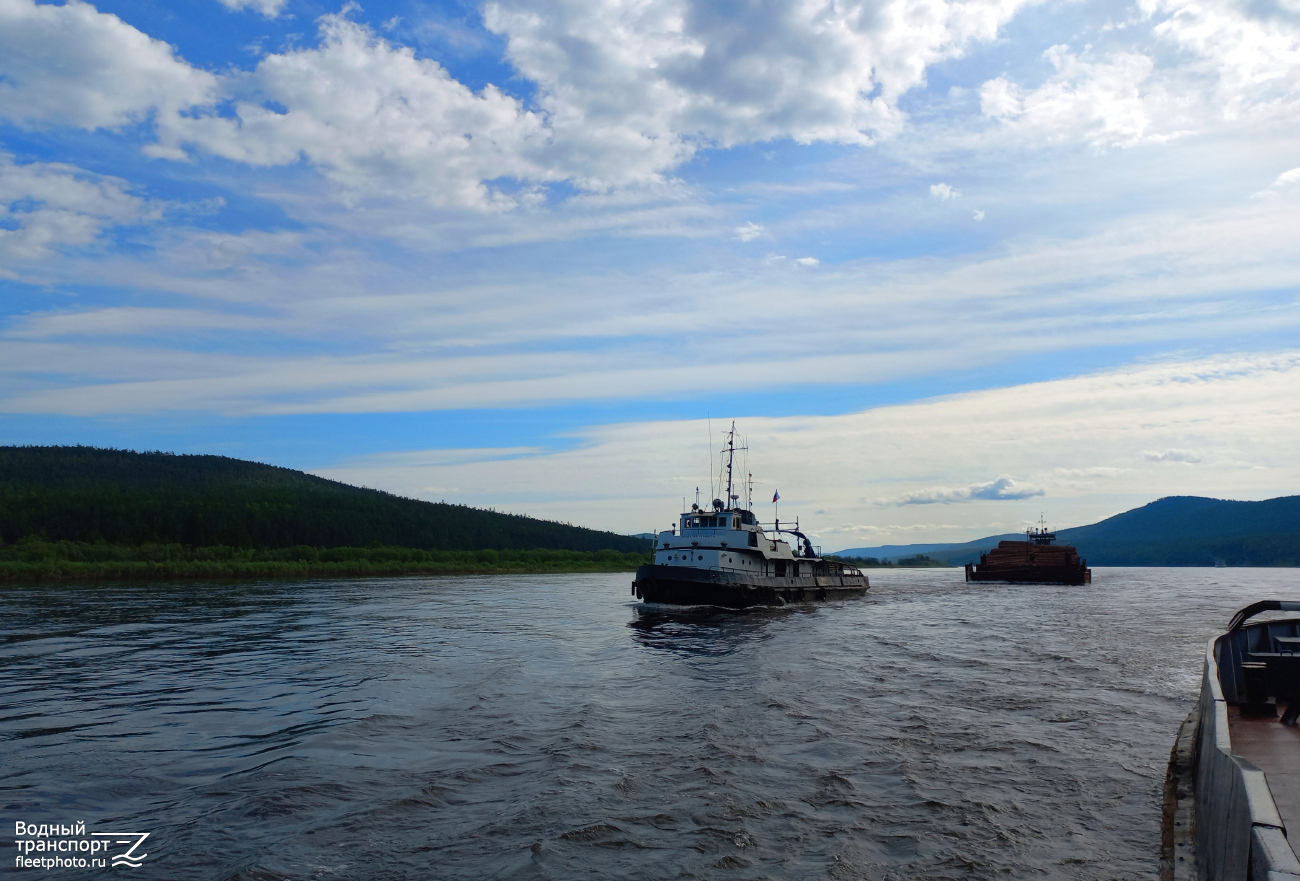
{"x":1237,"y":822}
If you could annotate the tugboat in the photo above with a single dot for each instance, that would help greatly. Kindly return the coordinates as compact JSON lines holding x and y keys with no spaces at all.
{"x":723,"y":556}
{"x":1032,"y":561}
{"x":1232,"y":791}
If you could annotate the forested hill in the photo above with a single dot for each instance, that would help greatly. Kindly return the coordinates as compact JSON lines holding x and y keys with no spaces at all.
{"x":85,"y":494}
{"x":1173,"y":531}
{"x":1194,"y":531}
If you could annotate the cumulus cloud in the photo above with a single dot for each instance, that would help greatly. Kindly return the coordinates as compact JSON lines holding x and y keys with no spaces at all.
{"x":1185,"y":456}
{"x":890,"y":529}
{"x":1283,"y":181}
{"x":1106,"y":103}
{"x":1252,"y":53}
{"x":807,"y":261}
{"x":1288,"y":178}
{"x":625,"y":91}
{"x":72,"y":65}
{"x":269,"y":8}
{"x":978,"y":216}
{"x":750,"y":231}
{"x":49,"y":204}
{"x":635,"y":88}
{"x":1000,"y":490}
{"x":1091,"y":429}
{"x":943,"y":192}
{"x":378,"y":121}
{"x":1236,"y":62}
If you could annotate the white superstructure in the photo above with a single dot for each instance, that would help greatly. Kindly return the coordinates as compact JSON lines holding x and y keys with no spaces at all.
{"x":728,"y":539}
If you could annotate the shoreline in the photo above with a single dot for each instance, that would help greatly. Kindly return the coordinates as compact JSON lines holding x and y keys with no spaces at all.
{"x":10,"y":577}
{"x":64,"y":562}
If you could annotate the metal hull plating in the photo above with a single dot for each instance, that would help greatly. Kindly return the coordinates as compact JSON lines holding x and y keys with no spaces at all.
{"x":1231,"y":793}
{"x":1036,"y":575}
{"x":689,"y":586}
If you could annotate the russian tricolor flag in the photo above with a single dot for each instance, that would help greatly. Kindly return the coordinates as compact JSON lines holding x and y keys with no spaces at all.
{"x":776,"y":496}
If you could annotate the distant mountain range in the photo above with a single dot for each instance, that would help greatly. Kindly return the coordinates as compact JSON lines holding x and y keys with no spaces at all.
{"x":1173,"y":531}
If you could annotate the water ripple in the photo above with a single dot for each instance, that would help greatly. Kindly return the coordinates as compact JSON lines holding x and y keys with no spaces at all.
{"x":545,"y":727}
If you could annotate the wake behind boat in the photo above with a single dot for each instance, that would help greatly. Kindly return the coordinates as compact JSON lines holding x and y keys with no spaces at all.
{"x":724,"y":556}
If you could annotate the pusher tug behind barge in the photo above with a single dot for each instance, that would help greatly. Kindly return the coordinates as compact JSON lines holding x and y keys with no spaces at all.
{"x":725,"y":557}
{"x":1032,"y":561}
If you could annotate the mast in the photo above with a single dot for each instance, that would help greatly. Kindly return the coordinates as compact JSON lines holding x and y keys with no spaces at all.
{"x":731,"y":454}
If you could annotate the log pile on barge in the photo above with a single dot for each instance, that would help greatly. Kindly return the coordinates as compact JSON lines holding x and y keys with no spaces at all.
{"x":1033,"y":561}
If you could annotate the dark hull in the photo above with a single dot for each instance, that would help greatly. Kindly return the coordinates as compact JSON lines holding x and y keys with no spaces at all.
{"x":1032,"y":574}
{"x":686,"y":586}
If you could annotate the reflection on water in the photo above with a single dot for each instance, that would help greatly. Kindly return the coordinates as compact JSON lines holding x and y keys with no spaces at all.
{"x":547,"y":727}
{"x":705,"y":630}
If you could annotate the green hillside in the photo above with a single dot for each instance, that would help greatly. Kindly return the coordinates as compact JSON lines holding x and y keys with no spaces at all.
{"x":1194,"y":531}
{"x":1173,"y":531}
{"x":128,"y":499}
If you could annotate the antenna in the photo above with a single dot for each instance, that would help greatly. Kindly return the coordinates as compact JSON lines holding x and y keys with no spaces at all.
{"x":730,"y":450}
{"x":710,"y":455}
{"x":749,"y":485}
{"x":731,"y":454}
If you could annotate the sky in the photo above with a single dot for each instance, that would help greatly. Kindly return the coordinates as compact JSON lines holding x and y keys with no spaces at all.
{"x":949,"y":266}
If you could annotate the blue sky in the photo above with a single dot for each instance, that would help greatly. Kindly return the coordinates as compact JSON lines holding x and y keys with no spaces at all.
{"x":520,"y":254}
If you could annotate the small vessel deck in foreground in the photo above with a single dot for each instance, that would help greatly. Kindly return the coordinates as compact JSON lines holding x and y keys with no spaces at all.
{"x":1233,"y":786}
{"x":725,"y":557}
{"x":1032,"y":561}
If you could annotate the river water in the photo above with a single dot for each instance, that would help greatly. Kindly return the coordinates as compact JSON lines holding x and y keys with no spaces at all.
{"x":551,"y":727}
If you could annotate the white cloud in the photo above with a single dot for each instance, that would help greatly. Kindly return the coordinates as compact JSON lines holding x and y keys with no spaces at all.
{"x":405,"y":339}
{"x":134,"y":320}
{"x":943,"y":192}
{"x":1186,"y":457}
{"x":49,"y":204}
{"x":978,"y":216}
{"x":634,"y":88}
{"x":1001,"y":490}
{"x":626,"y":90}
{"x":807,"y":261}
{"x":1233,"y":63}
{"x":269,"y":8}
{"x":1241,"y":412}
{"x":379,"y":122}
{"x":750,"y":231}
{"x":1104,"y":103}
{"x":72,"y":65}
{"x":872,"y":530}
{"x":1287,"y":178}
{"x":1284,"y":181}
{"x":1250,"y":52}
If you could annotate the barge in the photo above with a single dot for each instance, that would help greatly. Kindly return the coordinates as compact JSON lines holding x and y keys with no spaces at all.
{"x":1032,"y":561}
{"x":1232,"y":790}
{"x":723,"y":556}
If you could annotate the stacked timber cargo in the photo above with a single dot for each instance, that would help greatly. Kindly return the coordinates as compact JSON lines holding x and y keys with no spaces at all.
{"x":1035,"y":560}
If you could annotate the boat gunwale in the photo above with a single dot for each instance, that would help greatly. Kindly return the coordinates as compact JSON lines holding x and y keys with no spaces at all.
{"x":1227,"y":789}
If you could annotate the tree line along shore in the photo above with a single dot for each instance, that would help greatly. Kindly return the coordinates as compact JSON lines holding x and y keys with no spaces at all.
{"x":89,"y":514}
{"x":33,"y":560}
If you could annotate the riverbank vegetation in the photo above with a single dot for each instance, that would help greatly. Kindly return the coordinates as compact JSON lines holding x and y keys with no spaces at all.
{"x":33,"y":560}
{"x":88,"y":514}
{"x":119,"y":497}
